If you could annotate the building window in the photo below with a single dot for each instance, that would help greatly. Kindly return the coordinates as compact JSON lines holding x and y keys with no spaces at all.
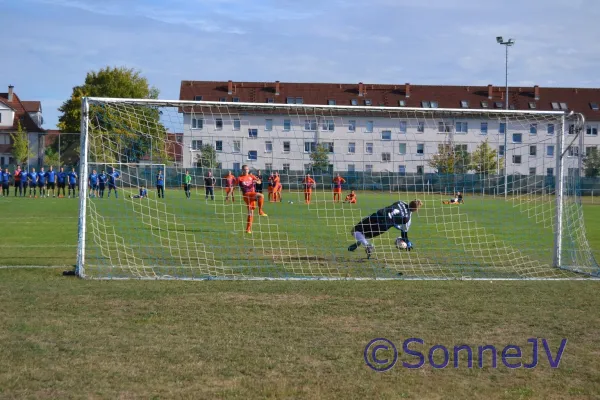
{"x":287,"y":124}
{"x":563,"y":106}
{"x":198,"y":98}
{"x":252,"y":155}
{"x":532,"y":170}
{"x":420,"y":170}
{"x":592,"y":130}
{"x":555,"y":106}
{"x":328,"y":145}
{"x":237,"y":146}
{"x":386,"y":135}
{"x":252,"y":133}
{"x":268,"y":147}
{"x":550,"y":171}
{"x":501,"y":150}
{"x":425,"y":104}
{"x":402,"y":126}
{"x":369,"y":127}
{"x":533,"y":106}
{"x":269,"y":166}
{"x":402,"y":148}
{"x":484,"y":128}
{"x":351,"y":147}
{"x":533,"y":129}
{"x":462,"y":127}
{"x":434,"y":104}
{"x":573,"y":151}
{"x":386,"y":157}
{"x":222,"y":99}
{"x":268,"y":124}
{"x":291,"y":100}
{"x":331,"y":102}
{"x":516,"y":159}
{"x":286,"y":147}
{"x":352,"y":125}
{"x":444,"y":127}
{"x":464,"y":104}
{"x":236,"y":166}
{"x":197,"y":123}
{"x":236,"y":99}
{"x":420,"y":127}
{"x":499,"y":104}
{"x":196,"y":144}
{"x":420,"y":148}
{"x":354,"y":102}
{"x":219,"y":145}
{"x":402,"y":103}
{"x":270,"y":100}
{"x":307,"y":167}
{"x":328,"y":125}
{"x":461,"y":148}
{"x":368,"y":168}
{"x":299,"y":100}
{"x":484,"y":104}
{"x":219,"y":123}
{"x":237,"y":125}
{"x":533,"y":151}
{"x":550,"y":150}
{"x":502,"y":128}
{"x":369,"y":148}
{"x":517,"y":138}
{"x":589,"y":150}
{"x":310,"y":147}
{"x":368,"y":102}
{"x":402,"y":169}
{"x":594,"y":106}
{"x":550,"y":129}
{"x":351,"y":168}
{"x":310,"y":125}
{"x":286,"y":168}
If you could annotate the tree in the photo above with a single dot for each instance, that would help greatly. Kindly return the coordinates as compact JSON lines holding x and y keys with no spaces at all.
{"x":485,"y":159}
{"x":207,"y":157}
{"x":451,"y":160}
{"x":20,"y":148}
{"x":51,"y":158}
{"x":591,"y":164}
{"x":320,"y":157}
{"x":120,"y":134}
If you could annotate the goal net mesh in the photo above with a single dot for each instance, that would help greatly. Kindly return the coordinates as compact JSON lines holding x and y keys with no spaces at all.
{"x":505,"y":225}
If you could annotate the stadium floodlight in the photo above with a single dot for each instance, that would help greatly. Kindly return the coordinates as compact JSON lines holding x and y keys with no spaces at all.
{"x":507,"y":44}
{"x":183,"y":237}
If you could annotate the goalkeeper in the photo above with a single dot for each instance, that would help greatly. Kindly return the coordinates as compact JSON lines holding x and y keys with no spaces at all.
{"x":397,"y":215}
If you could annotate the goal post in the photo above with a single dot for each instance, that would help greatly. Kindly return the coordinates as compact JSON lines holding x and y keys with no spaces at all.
{"x":382,"y":154}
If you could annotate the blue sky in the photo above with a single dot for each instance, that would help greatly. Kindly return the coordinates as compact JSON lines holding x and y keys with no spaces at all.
{"x":48,"y":46}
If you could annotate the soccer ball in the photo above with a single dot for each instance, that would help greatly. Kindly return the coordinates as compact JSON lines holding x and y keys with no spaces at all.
{"x":400,"y":243}
{"x":290,"y":202}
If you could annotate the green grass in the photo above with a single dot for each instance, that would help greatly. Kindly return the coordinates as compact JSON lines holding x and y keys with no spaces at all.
{"x":71,"y":338}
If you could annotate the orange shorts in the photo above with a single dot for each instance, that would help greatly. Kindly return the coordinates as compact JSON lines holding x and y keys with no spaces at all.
{"x":337,"y":190}
{"x":353,"y":201}
{"x":250,"y":200}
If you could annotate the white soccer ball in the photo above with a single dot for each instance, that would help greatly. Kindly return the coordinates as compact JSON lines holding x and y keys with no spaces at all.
{"x":400,"y":243}
{"x":290,"y":202}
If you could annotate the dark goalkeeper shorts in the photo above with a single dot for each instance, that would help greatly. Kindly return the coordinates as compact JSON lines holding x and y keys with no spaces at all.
{"x":371,"y":226}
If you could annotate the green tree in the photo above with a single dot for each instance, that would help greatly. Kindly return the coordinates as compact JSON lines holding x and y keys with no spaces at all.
{"x":20,"y":148}
{"x":450,"y":160}
{"x":124,"y":133}
{"x":591,"y":164}
{"x":51,"y":158}
{"x":320,"y":158}
{"x":484,"y":159}
{"x":207,"y":157}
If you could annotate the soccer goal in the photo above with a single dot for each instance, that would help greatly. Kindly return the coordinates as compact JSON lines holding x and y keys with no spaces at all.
{"x":500,"y":192}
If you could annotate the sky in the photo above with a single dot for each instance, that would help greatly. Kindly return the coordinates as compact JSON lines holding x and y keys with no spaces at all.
{"x":48,"y":46}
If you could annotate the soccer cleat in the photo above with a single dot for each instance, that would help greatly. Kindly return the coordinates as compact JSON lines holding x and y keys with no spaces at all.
{"x":353,"y":246}
{"x":262,"y":214}
{"x":369,"y":249}
{"x":248,"y":231}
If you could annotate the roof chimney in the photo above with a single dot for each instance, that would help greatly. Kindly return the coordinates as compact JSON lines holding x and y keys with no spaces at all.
{"x":10,"y":92}
{"x":407,"y":90}
{"x":360,"y":89}
{"x":490,"y":89}
{"x":536,"y":92}
{"x":229,"y":87}
{"x":276,"y":88}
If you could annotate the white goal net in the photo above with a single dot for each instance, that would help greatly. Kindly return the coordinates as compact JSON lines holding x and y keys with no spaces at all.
{"x":499,"y":192}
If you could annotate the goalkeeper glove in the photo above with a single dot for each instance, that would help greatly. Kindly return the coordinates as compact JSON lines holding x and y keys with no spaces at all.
{"x":409,"y":245}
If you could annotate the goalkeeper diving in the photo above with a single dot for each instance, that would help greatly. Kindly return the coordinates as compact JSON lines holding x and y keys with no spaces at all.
{"x":397,"y":215}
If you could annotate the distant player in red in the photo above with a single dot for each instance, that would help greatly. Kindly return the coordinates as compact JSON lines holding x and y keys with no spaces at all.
{"x":308,"y":187}
{"x":230,"y":182}
{"x":337,"y":188}
{"x":278,"y":187}
{"x":247,"y":183}
{"x":271,"y":187}
{"x":351,"y":198}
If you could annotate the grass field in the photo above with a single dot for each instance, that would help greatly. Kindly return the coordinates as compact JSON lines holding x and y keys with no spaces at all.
{"x":69,"y":338}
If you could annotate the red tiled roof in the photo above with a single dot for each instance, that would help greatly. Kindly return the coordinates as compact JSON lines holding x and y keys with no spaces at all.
{"x":577,"y":99}
{"x":32,"y":106}
{"x":20,"y":114}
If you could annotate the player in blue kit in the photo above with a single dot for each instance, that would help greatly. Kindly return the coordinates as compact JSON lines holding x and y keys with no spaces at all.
{"x":62,"y":180}
{"x":5,"y":178}
{"x":72,"y":176}
{"x":51,"y":181}
{"x":24,"y":183}
{"x":102,"y":177}
{"x":33,"y":179}
{"x":93,"y":184}
{"x":42,"y":182}
{"x":112,"y":182}
{"x":143,"y":194}
{"x":160,"y":184}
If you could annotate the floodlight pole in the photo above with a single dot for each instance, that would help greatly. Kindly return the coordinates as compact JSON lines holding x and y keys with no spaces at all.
{"x":507,"y":43}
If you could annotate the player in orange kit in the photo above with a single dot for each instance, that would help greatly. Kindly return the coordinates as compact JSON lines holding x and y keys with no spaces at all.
{"x":247,"y":183}
{"x":278,"y":187}
{"x":230,"y":182}
{"x":271,"y":187}
{"x":351,"y":198}
{"x":337,"y":188}
{"x":309,"y":183}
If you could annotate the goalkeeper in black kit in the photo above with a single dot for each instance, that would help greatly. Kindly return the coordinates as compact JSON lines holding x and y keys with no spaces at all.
{"x":397,"y":215}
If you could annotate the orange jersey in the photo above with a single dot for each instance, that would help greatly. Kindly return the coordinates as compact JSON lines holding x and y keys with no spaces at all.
{"x":230,"y":181}
{"x":337,"y":182}
{"x":247,"y":183}
{"x":308,"y":183}
{"x":350,"y":197}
